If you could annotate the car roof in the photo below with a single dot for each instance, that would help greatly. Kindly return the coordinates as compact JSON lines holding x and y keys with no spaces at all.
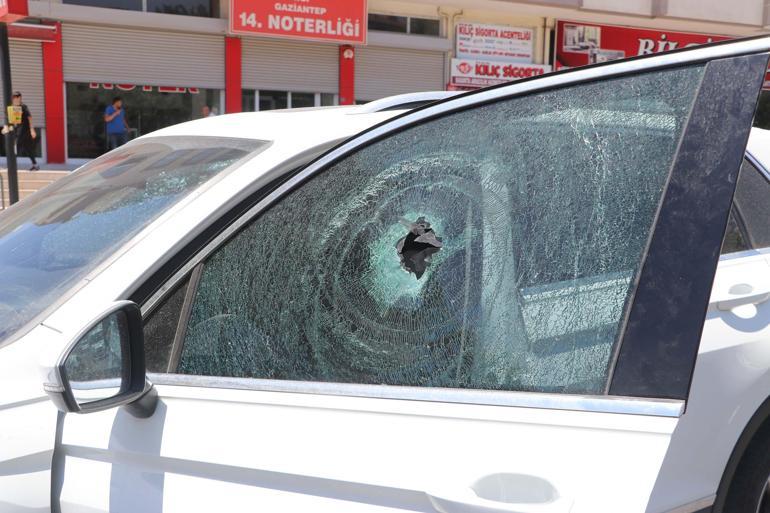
{"x":314,"y":124}
{"x":328,"y":123}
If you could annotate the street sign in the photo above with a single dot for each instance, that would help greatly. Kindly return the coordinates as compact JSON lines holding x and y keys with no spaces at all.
{"x":342,"y":21}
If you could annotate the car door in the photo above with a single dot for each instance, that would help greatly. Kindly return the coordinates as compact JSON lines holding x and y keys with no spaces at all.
{"x":492,"y":304}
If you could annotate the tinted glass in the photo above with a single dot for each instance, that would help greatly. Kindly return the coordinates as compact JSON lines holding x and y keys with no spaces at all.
{"x":752,"y":203}
{"x":299,"y":100}
{"x":160,"y":328}
{"x":185,"y":7}
{"x":51,"y":240}
{"x":748,"y":226}
{"x":735,"y":235}
{"x":493,"y":248}
{"x":424,"y":26}
{"x":387,"y":23}
{"x":270,"y":100}
{"x":248,"y":99}
{"x":130,"y":5}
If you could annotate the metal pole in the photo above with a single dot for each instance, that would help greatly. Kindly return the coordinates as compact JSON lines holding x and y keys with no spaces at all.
{"x":10,"y":137}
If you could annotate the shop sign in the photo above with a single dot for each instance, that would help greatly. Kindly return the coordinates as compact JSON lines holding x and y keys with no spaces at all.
{"x":325,"y":20}
{"x":467,"y":73}
{"x":13,"y":10}
{"x":144,"y":88}
{"x":578,"y":44}
{"x":494,"y":42}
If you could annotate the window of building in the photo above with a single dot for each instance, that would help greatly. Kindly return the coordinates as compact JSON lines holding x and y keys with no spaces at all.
{"x":270,"y":100}
{"x":388,"y":23}
{"x":148,"y":108}
{"x":424,"y":26}
{"x":405,"y":24}
{"x":128,"y":5}
{"x":204,"y":8}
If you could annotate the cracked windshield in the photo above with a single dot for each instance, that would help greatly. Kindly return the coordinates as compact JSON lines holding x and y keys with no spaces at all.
{"x":492,"y":249}
{"x":54,"y":239}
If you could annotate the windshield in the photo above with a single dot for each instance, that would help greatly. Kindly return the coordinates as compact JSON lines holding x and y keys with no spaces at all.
{"x":53,"y":239}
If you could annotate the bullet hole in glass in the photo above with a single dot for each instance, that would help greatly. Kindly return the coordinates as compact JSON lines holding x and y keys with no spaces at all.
{"x":418,"y":246}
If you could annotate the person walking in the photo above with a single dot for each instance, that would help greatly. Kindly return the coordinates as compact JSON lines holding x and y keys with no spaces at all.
{"x":26,"y":135}
{"x":117,"y":127}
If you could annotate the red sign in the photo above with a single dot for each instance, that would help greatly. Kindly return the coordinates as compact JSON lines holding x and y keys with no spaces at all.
{"x":324,"y":20}
{"x":13,"y":10}
{"x":578,"y":44}
{"x":467,"y":73}
{"x":144,"y":88}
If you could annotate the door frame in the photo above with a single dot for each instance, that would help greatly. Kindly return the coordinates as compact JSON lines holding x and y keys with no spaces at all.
{"x":629,"y":390}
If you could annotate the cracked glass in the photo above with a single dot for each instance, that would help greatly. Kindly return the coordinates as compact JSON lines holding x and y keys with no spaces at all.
{"x":51,"y":241}
{"x":493,"y":248}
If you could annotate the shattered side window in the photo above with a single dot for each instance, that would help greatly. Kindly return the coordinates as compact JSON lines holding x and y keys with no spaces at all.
{"x":493,"y":248}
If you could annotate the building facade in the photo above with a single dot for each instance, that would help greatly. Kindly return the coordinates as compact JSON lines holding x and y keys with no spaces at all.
{"x":168,"y":59}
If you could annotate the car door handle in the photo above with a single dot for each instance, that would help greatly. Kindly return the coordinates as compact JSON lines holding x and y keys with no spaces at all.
{"x":502,"y":493}
{"x":471,"y":503}
{"x":743,"y":294}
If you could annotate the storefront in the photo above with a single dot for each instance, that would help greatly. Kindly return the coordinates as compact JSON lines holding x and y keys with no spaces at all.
{"x":278,"y":74}
{"x":164,"y":79}
{"x":148,"y":108}
{"x":248,"y":55}
{"x":487,"y":54}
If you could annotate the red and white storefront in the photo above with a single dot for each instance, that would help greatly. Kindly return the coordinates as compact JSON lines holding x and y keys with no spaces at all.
{"x":169,"y":66}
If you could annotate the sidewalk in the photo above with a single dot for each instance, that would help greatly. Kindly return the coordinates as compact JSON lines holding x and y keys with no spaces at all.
{"x":32,"y":181}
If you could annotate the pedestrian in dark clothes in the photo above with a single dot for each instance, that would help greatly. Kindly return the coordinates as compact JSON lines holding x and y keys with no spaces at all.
{"x":26,"y":135}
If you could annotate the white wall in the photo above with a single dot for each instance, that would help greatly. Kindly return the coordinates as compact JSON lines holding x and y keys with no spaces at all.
{"x":749,"y":12}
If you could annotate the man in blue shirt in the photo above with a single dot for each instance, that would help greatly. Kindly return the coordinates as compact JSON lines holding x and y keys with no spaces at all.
{"x":117,"y":127}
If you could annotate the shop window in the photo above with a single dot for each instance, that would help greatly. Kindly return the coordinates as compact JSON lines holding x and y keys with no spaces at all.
{"x":388,"y":23}
{"x":204,"y":8}
{"x":271,"y":100}
{"x":299,"y":100}
{"x":405,"y":24}
{"x":129,"y":5}
{"x":148,"y":108}
{"x":248,"y":100}
{"x":424,"y":26}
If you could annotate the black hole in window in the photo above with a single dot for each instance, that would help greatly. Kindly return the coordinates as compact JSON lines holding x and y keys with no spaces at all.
{"x":418,"y":246}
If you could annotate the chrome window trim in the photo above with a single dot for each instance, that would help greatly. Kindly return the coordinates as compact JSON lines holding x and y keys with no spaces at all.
{"x":547,"y":401}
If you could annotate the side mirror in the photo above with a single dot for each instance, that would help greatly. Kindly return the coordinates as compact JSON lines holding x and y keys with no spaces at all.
{"x":103,"y":367}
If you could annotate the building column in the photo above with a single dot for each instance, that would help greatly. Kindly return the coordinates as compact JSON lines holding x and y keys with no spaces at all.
{"x":347,"y":84}
{"x":233,"y":87}
{"x":53,"y":88}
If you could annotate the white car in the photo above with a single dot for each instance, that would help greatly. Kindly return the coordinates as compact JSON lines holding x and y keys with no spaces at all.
{"x":492,"y":303}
